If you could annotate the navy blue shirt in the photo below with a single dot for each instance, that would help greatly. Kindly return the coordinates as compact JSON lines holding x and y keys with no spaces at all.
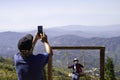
{"x":30,"y":68}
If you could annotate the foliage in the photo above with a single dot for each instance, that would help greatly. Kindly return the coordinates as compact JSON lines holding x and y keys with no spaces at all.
{"x":7,"y":70}
{"x":109,"y":69}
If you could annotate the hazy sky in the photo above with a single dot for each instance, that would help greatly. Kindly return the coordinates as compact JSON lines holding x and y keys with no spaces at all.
{"x":21,"y":15}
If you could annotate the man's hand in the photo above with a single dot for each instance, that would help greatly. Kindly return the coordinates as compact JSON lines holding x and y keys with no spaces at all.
{"x":37,"y":36}
{"x":44,"y":38}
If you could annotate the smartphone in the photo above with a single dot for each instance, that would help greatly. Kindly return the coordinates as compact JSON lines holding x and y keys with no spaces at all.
{"x":40,"y":30}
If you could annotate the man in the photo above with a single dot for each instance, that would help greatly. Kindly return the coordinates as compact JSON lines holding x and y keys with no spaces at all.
{"x":29,"y":66}
{"x":76,"y":69}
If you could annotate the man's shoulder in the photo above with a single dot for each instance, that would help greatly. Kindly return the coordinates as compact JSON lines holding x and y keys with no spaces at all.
{"x":42,"y":54}
{"x":44,"y":57}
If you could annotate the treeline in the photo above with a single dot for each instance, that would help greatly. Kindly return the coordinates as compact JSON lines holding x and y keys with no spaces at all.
{"x":7,"y":69}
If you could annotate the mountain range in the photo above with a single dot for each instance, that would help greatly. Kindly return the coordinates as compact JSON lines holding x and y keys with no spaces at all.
{"x":72,"y":35}
{"x":85,"y":31}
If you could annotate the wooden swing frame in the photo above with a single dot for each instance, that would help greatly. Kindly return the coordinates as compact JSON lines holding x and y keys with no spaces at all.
{"x":102,"y":57}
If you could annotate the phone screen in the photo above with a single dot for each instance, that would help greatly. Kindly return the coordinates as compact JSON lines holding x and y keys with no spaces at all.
{"x":40,"y":29}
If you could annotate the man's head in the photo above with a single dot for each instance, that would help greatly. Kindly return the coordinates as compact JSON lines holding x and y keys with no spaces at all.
{"x":25,"y":43}
{"x":75,"y":60}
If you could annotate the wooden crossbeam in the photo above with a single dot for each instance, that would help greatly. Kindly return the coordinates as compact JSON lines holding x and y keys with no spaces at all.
{"x":77,"y":47}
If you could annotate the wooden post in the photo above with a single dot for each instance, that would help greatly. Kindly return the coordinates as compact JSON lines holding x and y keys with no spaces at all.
{"x":102,"y":60}
{"x":50,"y":68}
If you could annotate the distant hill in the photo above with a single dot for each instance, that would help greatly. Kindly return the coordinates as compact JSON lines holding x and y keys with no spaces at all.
{"x":85,"y":31}
{"x":8,"y":42}
{"x":73,"y":35}
{"x":111,"y":44}
{"x":112,"y":47}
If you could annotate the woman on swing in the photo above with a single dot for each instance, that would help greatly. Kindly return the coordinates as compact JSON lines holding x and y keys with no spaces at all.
{"x":77,"y":69}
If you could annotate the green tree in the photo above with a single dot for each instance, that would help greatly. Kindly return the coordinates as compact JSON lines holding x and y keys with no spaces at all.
{"x":109,"y":69}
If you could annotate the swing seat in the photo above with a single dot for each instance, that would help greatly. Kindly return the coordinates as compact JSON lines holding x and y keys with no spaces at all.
{"x":70,"y":74}
{"x":82,"y":74}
